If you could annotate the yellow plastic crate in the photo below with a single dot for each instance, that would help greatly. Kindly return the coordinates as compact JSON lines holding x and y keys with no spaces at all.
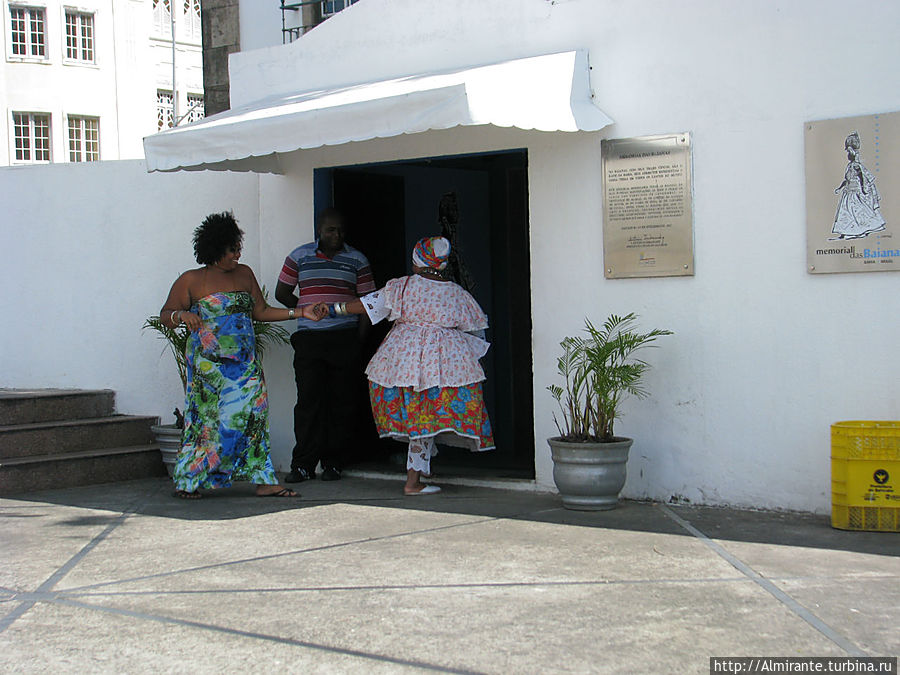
{"x":865,"y":476}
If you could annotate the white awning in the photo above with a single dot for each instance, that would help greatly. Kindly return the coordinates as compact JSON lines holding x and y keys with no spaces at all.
{"x":546,"y":93}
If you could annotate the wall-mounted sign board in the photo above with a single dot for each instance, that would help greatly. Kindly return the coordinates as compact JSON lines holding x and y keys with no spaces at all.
{"x":853,"y":194}
{"x":647,"y":207}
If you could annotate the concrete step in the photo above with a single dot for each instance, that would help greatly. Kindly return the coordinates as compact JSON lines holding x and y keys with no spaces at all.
{"x":54,"y":438}
{"x":30,"y":406}
{"x":86,"y":467}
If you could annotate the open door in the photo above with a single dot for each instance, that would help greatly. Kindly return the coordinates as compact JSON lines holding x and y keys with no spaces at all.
{"x":387,"y":208}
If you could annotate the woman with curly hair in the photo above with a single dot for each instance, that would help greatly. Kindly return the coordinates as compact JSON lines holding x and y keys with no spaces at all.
{"x":226,"y":421}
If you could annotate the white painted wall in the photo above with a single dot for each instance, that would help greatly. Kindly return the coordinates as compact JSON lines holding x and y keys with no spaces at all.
{"x":765,"y":356}
{"x":89,"y":252}
{"x":260,"y":24}
{"x":134,"y":93}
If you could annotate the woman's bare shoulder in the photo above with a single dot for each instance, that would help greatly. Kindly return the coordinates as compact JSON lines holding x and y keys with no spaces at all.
{"x":190,"y":276}
{"x":245,"y":274}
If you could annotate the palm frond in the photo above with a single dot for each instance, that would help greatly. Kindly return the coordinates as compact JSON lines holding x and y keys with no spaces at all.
{"x":599,"y":370}
{"x":176,"y":340}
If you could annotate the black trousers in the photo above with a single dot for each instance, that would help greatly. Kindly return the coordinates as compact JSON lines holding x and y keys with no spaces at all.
{"x":326,"y":370}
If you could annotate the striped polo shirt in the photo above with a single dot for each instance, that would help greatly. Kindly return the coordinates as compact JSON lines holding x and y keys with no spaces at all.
{"x":322,"y":279}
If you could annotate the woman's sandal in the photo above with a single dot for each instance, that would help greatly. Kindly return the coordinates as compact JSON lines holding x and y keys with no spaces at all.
{"x":283,"y":492}
{"x":184,"y":494}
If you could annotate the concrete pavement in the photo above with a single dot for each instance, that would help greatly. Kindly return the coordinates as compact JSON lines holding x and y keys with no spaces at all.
{"x":356,"y":578}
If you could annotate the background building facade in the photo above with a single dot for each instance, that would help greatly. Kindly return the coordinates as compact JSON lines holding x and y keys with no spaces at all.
{"x":87,"y":81}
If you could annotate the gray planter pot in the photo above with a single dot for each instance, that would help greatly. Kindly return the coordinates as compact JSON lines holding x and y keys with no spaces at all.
{"x":168,"y":437}
{"x":589,"y":476}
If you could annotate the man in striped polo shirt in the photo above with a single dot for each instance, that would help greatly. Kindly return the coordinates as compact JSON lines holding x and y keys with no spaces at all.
{"x":327,"y":352}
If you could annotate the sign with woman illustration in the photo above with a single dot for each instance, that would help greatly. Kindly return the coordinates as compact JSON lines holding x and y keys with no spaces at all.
{"x":850,"y":165}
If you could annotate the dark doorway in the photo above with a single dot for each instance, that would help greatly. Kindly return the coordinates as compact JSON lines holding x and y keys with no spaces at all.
{"x":387,"y":208}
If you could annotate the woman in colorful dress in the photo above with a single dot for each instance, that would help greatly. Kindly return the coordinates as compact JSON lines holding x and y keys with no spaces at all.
{"x":226,"y":420}
{"x":425,"y":379}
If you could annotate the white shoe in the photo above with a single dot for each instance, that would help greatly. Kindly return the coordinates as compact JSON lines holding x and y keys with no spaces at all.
{"x":427,"y":490}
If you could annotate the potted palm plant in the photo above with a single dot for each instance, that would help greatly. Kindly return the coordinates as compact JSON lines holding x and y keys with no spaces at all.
{"x":168,"y":436}
{"x":600,"y":371}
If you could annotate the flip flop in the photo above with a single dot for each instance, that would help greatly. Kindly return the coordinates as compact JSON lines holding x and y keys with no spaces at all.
{"x":184,"y":494}
{"x":283,"y":492}
{"x":427,"y":490}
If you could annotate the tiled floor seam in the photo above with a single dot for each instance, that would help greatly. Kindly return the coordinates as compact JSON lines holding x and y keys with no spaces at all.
{"x":45,"y":592}
{"x":262,"y":636}
{"x":767,"y":585}
{"x":397,"y":587}
{"x":48,"y":584}
{"x":272,"y":556}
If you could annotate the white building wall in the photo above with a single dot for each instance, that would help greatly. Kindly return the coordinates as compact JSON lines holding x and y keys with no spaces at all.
{"x":260,"y":24}
{"x":765,"y":356}
{"x":89,"y":252}
{"x":136,"y":97}
{"x":59,"y":87}
{"x":188,"y":54}
{"x":119,"y":87}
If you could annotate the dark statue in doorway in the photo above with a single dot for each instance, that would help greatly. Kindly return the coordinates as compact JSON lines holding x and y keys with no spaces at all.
{"x":448,"y":218}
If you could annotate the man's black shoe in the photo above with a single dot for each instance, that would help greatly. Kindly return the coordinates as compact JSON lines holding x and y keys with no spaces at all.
{"x":298,"y":476}
{"x":331,"y":474}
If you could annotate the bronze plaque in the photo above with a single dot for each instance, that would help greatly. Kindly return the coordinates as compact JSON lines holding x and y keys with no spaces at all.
{"x":852,"y":170}
{"x":647,"y":215}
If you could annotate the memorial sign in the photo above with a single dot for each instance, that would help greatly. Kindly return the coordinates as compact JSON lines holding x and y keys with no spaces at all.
{"x":647,"y":207}
{"x":852,"y":206}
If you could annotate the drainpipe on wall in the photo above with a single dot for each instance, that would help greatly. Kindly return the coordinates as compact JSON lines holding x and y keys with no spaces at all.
{"x":174,"y":87}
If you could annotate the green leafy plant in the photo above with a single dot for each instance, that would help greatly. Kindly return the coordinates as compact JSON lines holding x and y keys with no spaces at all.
{"x":600,"y":370}
{"x":176,"y":340}
{"x":267,"y":334}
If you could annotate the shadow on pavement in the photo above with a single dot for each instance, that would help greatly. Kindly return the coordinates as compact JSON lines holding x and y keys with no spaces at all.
{"x":153,"y":497}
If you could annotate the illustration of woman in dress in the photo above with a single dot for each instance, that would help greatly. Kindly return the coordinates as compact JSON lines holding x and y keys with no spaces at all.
{"x":859,"y":210}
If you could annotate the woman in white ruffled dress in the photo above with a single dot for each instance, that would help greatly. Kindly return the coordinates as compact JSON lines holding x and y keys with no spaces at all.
{"x":425,"y":379}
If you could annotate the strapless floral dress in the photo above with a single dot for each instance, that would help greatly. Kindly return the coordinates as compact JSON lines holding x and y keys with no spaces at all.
{"x":226,"y":420}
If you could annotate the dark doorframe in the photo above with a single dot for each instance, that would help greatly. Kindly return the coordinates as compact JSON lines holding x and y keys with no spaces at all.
{"x":386,"y":206}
